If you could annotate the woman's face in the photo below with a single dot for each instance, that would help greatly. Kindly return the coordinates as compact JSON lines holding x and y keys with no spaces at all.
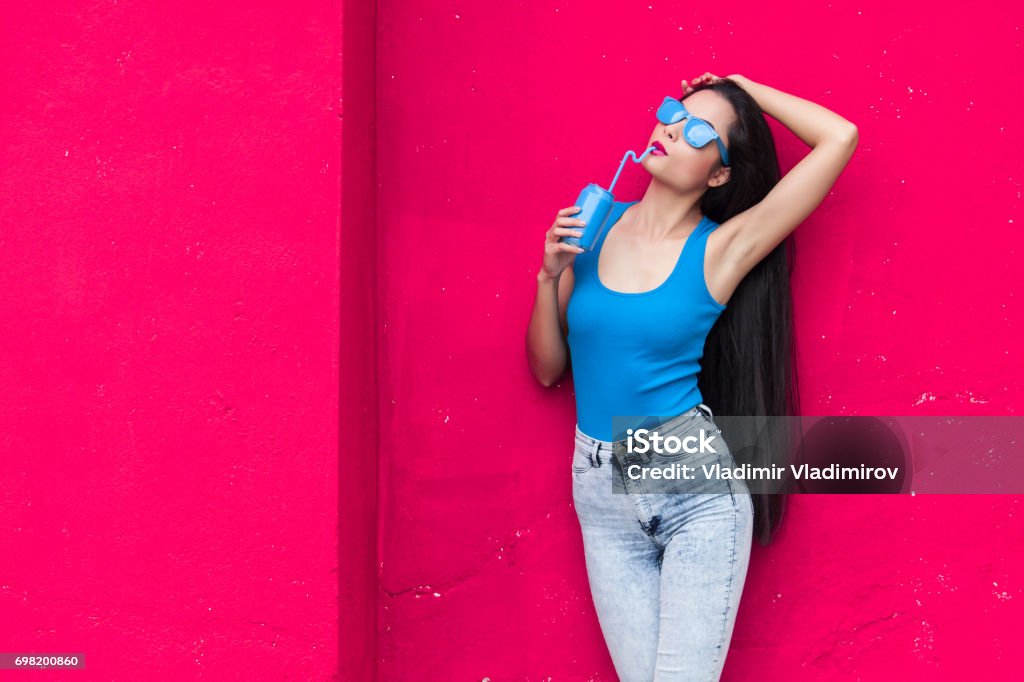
{"x":685,"y":167}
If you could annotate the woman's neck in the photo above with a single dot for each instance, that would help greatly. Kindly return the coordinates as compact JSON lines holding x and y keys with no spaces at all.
{"x":663,"y":213}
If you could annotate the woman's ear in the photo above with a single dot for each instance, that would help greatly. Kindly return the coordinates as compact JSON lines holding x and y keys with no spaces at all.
{"x":720,"y":177}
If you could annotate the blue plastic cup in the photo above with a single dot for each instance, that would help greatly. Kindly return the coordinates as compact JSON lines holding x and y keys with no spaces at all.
{"x":595,"y":204}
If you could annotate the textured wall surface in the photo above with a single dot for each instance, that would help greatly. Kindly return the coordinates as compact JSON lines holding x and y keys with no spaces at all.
{"x":357,"y":466}
{"x":908,"y":297}
{"x":169,"y":249}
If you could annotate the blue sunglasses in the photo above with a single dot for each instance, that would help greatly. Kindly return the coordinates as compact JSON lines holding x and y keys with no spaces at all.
{"x":697,"y":131}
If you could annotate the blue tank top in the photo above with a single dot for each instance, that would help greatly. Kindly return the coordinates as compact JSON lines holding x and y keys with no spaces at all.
{"x":638,"y":354}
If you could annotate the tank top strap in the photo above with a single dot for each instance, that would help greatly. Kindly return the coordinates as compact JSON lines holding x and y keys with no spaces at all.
{"x":692,"y":278}
{"x":706,"y":227}
{"x":695,"y":250}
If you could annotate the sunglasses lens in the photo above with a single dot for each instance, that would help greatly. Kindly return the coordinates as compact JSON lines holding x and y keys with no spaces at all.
{"x":698,"y":134}
{"x":670,"y":112}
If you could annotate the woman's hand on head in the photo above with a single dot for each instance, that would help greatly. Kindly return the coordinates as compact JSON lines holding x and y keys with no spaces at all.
{"x":703,"y":79}
{"x":558,"y":255}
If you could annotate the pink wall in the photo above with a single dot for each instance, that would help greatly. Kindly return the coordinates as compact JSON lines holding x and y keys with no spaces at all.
{"x":357,"y":470}
{"x":174,"y":190}
{"x":169,"y":244}
{"x":490,"y":118}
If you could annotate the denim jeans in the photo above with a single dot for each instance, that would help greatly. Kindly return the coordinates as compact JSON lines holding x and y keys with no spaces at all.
{"x":666,"y":570}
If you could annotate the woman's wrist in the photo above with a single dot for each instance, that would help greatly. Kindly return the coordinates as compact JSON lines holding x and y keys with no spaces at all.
{"x":741,"y":81}
{"x":544,"y":278}
{"x":751,"y":88}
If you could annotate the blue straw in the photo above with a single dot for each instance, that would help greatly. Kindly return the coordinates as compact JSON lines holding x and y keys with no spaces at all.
{"x":621,"y":165}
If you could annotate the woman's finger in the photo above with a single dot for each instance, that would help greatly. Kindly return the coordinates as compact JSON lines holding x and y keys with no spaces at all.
{"x":569,"y":220}
{"x":556,"y":246}
{"x":567,"y":232}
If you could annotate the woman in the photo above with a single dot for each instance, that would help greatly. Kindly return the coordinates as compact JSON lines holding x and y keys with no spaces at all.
{"x":682,"y":303}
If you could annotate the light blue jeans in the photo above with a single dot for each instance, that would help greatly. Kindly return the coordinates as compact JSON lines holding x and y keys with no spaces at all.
{"x":666,"y":570}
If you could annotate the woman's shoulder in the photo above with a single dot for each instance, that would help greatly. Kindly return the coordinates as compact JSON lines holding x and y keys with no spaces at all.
{"x":618,"y":208}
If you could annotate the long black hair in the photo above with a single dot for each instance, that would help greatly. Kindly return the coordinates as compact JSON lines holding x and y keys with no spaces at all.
{"x":749,"y":363}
